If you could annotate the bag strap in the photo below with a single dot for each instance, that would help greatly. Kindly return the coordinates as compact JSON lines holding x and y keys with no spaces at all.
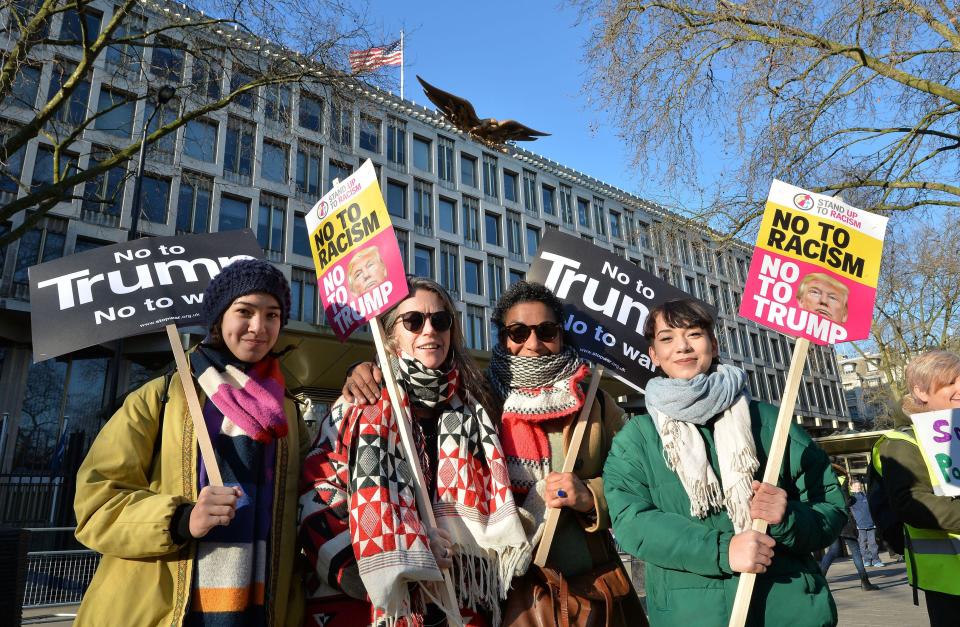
{"x":164,"y":397}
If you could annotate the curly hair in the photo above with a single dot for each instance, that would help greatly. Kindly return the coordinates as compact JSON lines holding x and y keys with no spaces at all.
{"x":526,"y":292}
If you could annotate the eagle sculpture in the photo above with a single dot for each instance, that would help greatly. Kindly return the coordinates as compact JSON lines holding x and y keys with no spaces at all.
{"x":460,"y":112}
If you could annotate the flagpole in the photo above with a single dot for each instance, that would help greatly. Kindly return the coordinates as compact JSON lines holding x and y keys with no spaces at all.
{"x":401,"y":64}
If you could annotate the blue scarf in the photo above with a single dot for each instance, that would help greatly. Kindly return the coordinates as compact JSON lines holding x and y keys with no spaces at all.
{"x":699,"y":399}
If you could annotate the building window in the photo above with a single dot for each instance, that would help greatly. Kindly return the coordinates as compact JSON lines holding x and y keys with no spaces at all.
{"x":44,"y":242}
{"x":103,"y":195}
{"x":369,"y":133}
{"x":472,"y":276}
{"x":238,"y":150}
{"x":533,"y":241}
{"x":303,"y":295}
{"x":423,"y":261}
{"x":494,"y":277}
{"x":491,"y":227}
{"x":397,"y":199}
{"x":309,"y":160}
{"x":337,"y":171}
{"x":643,"y":233}
{"x":490,"y":176}
{"x":547,"y":197}
{"x":74,"y":111}
{"x":514,"y":227}
{"x":445,"y":159}
{"x":566,"y":205}
{"x":273,"y":165}
{"x":193,"y":205}
{"x":163,"y":148}
{"x":341,"y":123}
{"x":616,"y":229}
{"x":423,"y":207}
{"x":598,"y":221}
{"x":43,"y":174}
{"x":301,"y":239}
{"x":471,"y":221}
{"x":474,"y":327}
{"x":166,"y":61}
{"x":510,"y":191}
{"x":447,"y":210}
{"x":449,"y":275}
{"x":397,"y":141}
{"x":530,"y":192}
{"x":276,"y":103}
{"x":128,"y":55}
{"x":200,"y":140}
{"x":468,"y":170}
{"x":154,"y":198}
{"x":240,"y":78}
{"x":234,"y":213}
{"x":402,"y":239}
{"x":270,"y":224}
{"x":71,"y":29}
{"x":516,"y":275}
{"x":26,"y":84}
{"x":583,"y":212}
{"x":311,"y":112}
{"x":206,"y":78}
{"x":421,"y":153}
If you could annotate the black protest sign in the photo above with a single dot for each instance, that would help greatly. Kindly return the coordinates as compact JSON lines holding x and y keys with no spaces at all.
{"x":128,"y":288}
{"x":606,"y":301}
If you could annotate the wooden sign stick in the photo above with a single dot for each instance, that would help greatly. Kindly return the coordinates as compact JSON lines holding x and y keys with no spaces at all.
{"x":771,"y":474}
{"x":193,"y":407}
{"x":424,"y":504}
{"x":553,"y":513}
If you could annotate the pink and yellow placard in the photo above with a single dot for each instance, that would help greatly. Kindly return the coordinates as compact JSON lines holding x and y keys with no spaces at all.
{"x":360,"y":272}
{"x":815,"y":267}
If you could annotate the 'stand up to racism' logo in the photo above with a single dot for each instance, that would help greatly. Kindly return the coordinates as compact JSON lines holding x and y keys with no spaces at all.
{"x":322,"y":208}
{"x":803,"y":202}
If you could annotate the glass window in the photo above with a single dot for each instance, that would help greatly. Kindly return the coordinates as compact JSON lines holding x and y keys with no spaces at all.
{"x":490,"y":176}
{"x":270,"y":223}
{"x":533,"y":241}
{"x":311,"y":112}
{"x":74,"y":111}
{"x":274,"y":163}
{"x":127,"y":55}
{"x":303,"y":295}
{"x":468,"y":170}
{"x":513,"y":233}
{"x":72,"y":29}
{"x":491,"y":227}
{"x":200,"y":140}
{"x":309,"y":160}
{"x":40,"y":416}
{"x":43,"y":173}
{"x":583,"y":212}
{"x":233,"y":213}
{"x":369,"y":133}
{"x":445,"y":159}
{"x":83,"y":244}
{"x":599,"y":223}
{"x":510,"y":186}
{"x":423,"y":261}
{"x":566,"y":205}
{"x":337,"y":172}
{"x":547,"y":196}
{"x":494,"y":277}
{"x":46,"y":241}
{"x":25,"y":86}
{"x":163,"y":148}
{"x":474,"y":327}
{"x":423,"y":207}
{"x":447,"y":210}
{"x":397,"y":141}
{"x":616,"y":229}
{"x":449,"y":274}
{"x":472,"y":277}
{"x":206,"y":77}
{"x":238,"y":79}
{"x":154,"y":198}
{"x":301,"y":239}
{"x":402,"y":243}
{"x":341,"y":123}
{"x":166,"y":61}
{"x":530,"y":191}
{"x":471,"y":221}
{"x":276,"y":103}
{"x":421,"y":153}
{"x":397,"y":199}
{"x":194,"y":203}
{"x":238,"y":150}
{"x":104,"y":193}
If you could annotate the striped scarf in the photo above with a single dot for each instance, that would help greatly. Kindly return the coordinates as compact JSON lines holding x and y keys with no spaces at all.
{"x":244,"y":415}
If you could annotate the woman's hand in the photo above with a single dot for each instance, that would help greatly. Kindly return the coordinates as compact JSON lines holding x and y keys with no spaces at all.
{"x":751,"y":552}
{"x":768,"y":503}
{"x":441,"y":545}
{"x":565,"y":489}
{"x":363,"y":384}
{"x":216,"y":506}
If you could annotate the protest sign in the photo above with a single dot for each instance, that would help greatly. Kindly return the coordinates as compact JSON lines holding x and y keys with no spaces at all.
{"x":815,"y":267}
{"x":127,"y":289}
{"x":606,"y":300}
{"x":360,"y":271}
{"x":938,"y":434}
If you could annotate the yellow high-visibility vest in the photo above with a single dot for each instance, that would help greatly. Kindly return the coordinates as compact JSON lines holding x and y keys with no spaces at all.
{"x":932,"y":555}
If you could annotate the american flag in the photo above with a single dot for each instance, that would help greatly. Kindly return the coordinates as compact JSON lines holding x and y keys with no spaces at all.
{"x":372,"y":58}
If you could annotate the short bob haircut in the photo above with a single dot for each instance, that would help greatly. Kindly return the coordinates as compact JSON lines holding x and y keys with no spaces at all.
{"x":928,"y":373}
{"x":681,"y":313}
{"x":527,"y":292}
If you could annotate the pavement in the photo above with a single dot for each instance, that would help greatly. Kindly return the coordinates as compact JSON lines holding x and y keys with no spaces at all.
{"x":892,"y":605}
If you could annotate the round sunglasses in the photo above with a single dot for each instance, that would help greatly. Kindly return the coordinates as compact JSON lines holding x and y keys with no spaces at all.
{"x":546,"y":331}
{"x":413,"y":321}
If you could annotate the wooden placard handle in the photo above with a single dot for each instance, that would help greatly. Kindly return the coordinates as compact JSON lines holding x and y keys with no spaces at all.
{"x":771,"y":474}
{"x":553,"y":513}
{"x":424,"y":504}
{"x":193,"y":407}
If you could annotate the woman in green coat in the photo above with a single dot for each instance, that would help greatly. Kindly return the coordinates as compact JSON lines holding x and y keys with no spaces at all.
{"x":681,"y":489}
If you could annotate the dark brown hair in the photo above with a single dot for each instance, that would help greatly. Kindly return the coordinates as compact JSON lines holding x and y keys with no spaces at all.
{"x":682,"y":313}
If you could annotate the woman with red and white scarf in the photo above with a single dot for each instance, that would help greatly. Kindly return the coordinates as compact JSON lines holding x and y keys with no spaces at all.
{"x":373,"y":559}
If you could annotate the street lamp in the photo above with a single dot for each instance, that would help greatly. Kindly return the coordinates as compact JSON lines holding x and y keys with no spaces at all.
{"x":164,"y":95}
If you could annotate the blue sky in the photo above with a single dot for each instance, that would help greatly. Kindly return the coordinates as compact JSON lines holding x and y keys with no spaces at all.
{"x":520,"y":60}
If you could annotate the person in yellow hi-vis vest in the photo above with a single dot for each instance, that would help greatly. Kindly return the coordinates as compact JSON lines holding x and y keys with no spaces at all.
{"x":931,"y":522}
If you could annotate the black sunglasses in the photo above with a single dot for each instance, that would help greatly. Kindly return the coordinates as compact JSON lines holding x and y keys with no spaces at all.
{"x":413,"y":320}
{"x":546,"y":331}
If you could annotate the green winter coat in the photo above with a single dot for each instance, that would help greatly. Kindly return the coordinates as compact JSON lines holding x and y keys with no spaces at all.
{"x":688,"y":575}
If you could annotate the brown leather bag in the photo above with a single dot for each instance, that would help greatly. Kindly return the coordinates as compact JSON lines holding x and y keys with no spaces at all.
{"x":603,"y":597}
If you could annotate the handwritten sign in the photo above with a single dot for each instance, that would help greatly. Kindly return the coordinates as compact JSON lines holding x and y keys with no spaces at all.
{"x":938,"y":434}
